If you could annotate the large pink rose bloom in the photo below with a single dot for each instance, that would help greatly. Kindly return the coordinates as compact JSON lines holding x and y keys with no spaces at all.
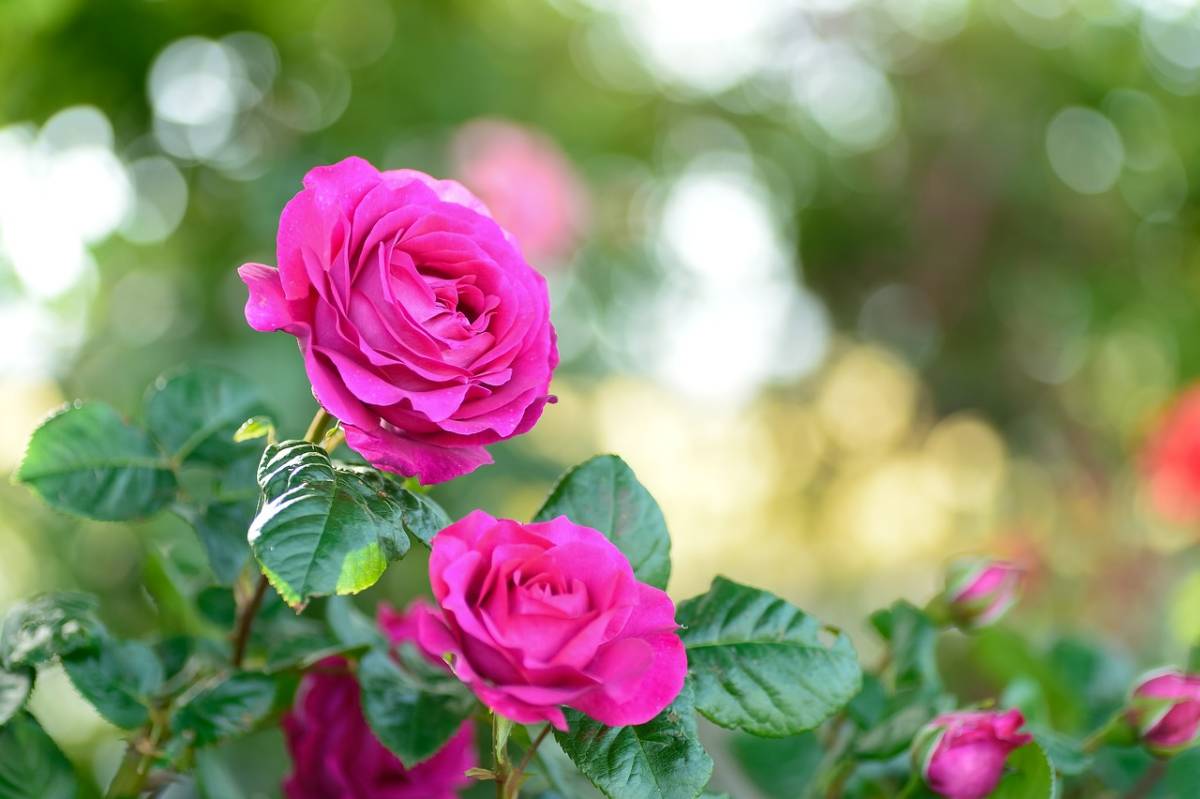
{"x":423,"y":329}
{"x":535,"y":616}
{"x":961,"y":755}
{"x":336,"y":756}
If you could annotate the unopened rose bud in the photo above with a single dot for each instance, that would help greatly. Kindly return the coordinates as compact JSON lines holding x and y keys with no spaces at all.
{"x":979,"y":591}
{"x":961,"y":755}
{"x":1164,"y":711}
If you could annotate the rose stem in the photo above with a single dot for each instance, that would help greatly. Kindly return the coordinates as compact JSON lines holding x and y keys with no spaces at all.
{"x":515,"y":778}
{"x":246,"y":612}
{"x":1150,"y":778}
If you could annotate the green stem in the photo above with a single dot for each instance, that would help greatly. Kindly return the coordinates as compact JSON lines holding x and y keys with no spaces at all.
{"x":501,"y":727}
{"x":910,"y":788}
{"x":513,"y":783}
{"x":320,"y":423}
{"x":130,"y":779}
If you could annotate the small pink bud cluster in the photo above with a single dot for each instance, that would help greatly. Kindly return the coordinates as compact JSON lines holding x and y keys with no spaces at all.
{"x":979,"y":591}
{"x":1163,"y":711}
{"x":961,"y":755}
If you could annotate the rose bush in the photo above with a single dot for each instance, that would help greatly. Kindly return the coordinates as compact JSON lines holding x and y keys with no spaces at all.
{"x":423,"y":329}
{"x":535,"y":616}
{"x":336,"y":756}
{"x":961,"y":755}
{"x":1164,"y":711}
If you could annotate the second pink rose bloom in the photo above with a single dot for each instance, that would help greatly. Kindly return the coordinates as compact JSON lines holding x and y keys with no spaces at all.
{"x":423,"y":328}
{"x":536,"y":616}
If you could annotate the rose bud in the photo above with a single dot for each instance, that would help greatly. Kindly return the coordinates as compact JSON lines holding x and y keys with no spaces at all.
{"x":979,"y":591}
{"x":1164,"y":711}
{"x":335,"y":754}
{"x":423,"y":329}
{"x":535,"y":616}
{"x":961,"y":755}
{"x":1170,"y":461}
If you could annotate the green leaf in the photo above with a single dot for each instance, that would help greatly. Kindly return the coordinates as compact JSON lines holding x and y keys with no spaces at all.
{"x":48,"y":626}
{"x":214,"y":780}
{"x":222,"y":528}
{"x":604,"y":494}
{"x":414,"y":708}
{"x":119,"y":678}
{"x":323,"y":529}
{"x":894,"y":734}
{"x":1066,"y":754}
{"x":15,"y":687}
{"x":195,"y":412}
{"x":758,"y":662}
{"x":351,"y":626}
{"x":913,"y":637}
{"x":661,"y":759}
{"x":258,"y":427}
{"x":1032,"y":776}
{"x":229,"y":708}
{"x":31,"y":764}
{"x":88,"y":461}
{"x":762,"y":758}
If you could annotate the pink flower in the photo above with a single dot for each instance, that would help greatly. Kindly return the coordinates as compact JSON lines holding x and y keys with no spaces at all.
{"x":1164,"y":711}
{"x":423,"y":329}
{"x":528,"y":183}
{"x":961,"y":755}
{"x":535,"y":616}
{"x":335,"y":754}
{"x":1171,"y":461}
{"x":979,"y":591}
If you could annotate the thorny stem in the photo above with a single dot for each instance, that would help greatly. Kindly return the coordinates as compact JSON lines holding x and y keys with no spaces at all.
{"x":130,"y":778}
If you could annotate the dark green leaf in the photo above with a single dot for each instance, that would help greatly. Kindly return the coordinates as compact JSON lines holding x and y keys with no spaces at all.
{"x":14,"y":692}
{"x":895,"y":733}
{"x":1066,"y":754}
{"x":213,"y":778}
{"x":47,"y":626}
{"x":1032,"y":777}
{"x":323,"y":530}
{"x":302,"y":651}
{"x":661,"y":759}
{"x":350,"y":625}
{"x":229,"y":708}
{"x":869,"y":704}
{"x":763,"y":759}
{"x":604,"y":494}
{"x":119,"y":678}
{"x":194,"y":414}
{"x":413,"y":709}
{"x":31,"y":764}
{"x":759,"y":664}
{"x":422,"y":517}
{"x":222,"y":528}
{"x":913,"y":637}
{"x":88,"y":461}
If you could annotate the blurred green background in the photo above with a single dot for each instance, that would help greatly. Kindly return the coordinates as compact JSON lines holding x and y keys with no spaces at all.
{"x":853,"y":285}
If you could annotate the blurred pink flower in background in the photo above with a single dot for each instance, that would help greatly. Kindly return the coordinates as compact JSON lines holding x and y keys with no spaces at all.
{"x":529,"y":184}
{"x":1171,"y":460}
{"x":1164,"y":711}
{"x":336,"y":756}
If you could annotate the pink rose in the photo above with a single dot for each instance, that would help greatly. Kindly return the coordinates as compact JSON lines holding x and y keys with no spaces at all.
{"x":335,"y":754}
{"x":527,"y":181}
{"x":1171,"y":461}
{"x":535,"y":616}
{"x":1164,"y":711}
{"x":979,"y":591}
{"x":424,"y":331}
{"x":961,"y":755}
